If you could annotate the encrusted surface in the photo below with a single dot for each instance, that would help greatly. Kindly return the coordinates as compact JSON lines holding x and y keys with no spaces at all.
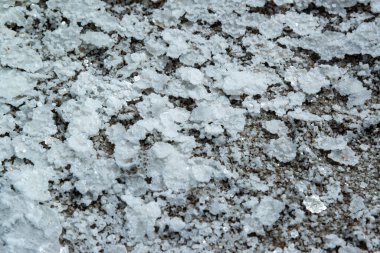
{"x":189,"y":126}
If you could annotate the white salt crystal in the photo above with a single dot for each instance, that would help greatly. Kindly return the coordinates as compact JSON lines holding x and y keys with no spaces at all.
{"x":314,"y":204}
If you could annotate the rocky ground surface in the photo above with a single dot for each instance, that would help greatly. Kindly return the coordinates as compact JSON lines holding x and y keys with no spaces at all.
{"x":189,"y":126}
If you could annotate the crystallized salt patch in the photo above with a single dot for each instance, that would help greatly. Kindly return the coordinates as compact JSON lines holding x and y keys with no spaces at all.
{"x":276,"y":127}
{"x":345,"y":156}
{"x":309,"y":82}
{"x":192,"y":75}
{"x":244,"y":82}
{"x":268,"y":211}
{"x":330,"y":143}
{"x":21,"y":57}
{"x":97,"y":39}
{"x":314,"y":204}
{"x":201,"y":173}
{"x":31,"y":182}
{"x":283,"y":149}
{"x":14,"y":83}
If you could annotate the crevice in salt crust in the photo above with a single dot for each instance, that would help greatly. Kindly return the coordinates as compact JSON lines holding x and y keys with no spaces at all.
{"x":189,"y":126}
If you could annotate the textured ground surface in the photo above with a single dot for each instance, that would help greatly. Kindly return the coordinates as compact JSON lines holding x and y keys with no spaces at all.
{"x":189,"y":126}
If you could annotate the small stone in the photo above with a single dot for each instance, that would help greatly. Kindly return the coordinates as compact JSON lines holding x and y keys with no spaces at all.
{"x":314,"y":204}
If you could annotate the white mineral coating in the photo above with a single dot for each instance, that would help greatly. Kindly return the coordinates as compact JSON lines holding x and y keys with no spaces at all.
{"x":202,"y":173}
{"x":20,"y":57}
{"x":97,"y":39}
{"x":80,"y":143}
{"x":309,"y":82}
{"x":62,"y":40}
{"x":141,"y":216}
{"x":313,"y":204}
{"x":330,"y":143}
{"x":244,"y":82}
{"x":353,"y":88}
{"x":375,"y":6}
{"x":27,"y":226}
{"x":14,"y":83}
{"x":299,"y":114}
{"x":176,"y":224}
{"x":283,"y":149}
{"x":357,"y":206}
{"x":6,"y":150}
{"x":192,"y":75}
{"x":276,"y":127}
{"x":268,"y":211}
{"x":171,"y":165}
{"x":220,"y":114}
{"x":42,"y":124}
{"x":345,"y":156}
{"x":31,"y":182}
{"x":189,"y":126}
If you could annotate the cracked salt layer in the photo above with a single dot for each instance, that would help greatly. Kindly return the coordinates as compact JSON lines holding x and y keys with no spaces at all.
{"x":189,"y":126}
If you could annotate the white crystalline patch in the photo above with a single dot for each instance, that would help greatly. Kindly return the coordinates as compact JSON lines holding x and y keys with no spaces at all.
{"x":357,"y":206}
{"x":119,"y":248}
{"x":7,"y":123}
{"x":82,"y":116}
{"x":271,"y":28}
{"x":281,"y":2}
{"x":299,"y":114}
{"x":177,"y":42}
{"x":268,"y":211}
{"x":244,"y":82}
{"x":375,"y":6}
{"x":217,"y":114}
{"x":14,"y":83}
{"x":309,"y":82}
{"x":42,"y":123}
{"x":65,"y":68}
{"x":171,"y":165}
{"x":283,"y":149}
{"x":302,"y":23}
{"x":80,"y":143}
{"x":202,"y":173}
{"x":124,"y":154}
{"x":27,"y":147}
{"x":95,"y":177}
{"x":62,"y":40}
{"x":176,"y":224}
{"x":332,"y":241}
{"x":141,"y":216}
{"x":27,"y":226}
{"x":353,"y":88}
{"x":116,"y":133}
{"x":345,"y":156}
{"x":6,"y":150}
{"x":153,"y":105}
{"x":192,"y":75}
{"x":135,"y":26}
{"x":251,"y":105}
{"x":276,"y":127}
{"x":314,"y":204}
{"x":354,"y":42}
{"x":31,"y":182}
{"x":59,"y":155}
{"x":22,"y":57}
{"x":283,"y":103}
{"x":330,"y":143}
{"x":97,"y":39}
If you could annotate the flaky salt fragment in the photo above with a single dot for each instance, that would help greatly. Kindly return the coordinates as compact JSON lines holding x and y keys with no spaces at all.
{"x":314,"y":204}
